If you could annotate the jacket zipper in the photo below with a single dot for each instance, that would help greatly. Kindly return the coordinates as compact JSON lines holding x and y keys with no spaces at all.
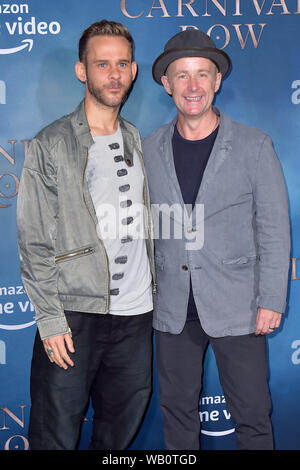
{"x":83,"y":251}
{"x":100,"y":241}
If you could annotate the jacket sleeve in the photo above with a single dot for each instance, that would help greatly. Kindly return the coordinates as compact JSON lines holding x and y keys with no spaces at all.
{"x":272,"y":228}
{"x":37,"y":212}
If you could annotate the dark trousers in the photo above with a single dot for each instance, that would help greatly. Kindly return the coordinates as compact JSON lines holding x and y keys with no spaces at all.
{"x":113,"y":366}
{"x":243,"y":372}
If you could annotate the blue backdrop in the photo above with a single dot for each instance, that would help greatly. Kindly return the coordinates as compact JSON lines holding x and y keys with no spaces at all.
{"x":38,"y":49}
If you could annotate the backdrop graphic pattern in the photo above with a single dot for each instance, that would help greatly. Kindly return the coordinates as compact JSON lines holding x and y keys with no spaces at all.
{"x":38,"y":49}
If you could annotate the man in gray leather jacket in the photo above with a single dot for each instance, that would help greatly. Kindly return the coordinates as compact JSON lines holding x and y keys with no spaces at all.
{"x":92,"y":290}
{"x":224,"y":280}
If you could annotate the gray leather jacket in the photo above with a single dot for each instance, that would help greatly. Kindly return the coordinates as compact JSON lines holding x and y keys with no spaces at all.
{"x":64,"y":265}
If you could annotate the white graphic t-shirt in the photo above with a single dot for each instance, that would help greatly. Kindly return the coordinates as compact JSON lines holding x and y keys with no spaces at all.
{"x":117,"y":194}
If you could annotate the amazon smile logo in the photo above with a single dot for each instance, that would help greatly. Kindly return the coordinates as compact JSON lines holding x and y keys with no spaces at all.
{"x":20,"y":326}
{"x":215,"y":419}
{"x":31,"y":27}
{"x":12,"y":311}
{"x":27,"y":43}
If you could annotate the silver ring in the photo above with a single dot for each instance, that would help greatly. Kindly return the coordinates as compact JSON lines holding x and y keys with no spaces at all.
{"x":270,"y":328}
{"x":50,"y":352}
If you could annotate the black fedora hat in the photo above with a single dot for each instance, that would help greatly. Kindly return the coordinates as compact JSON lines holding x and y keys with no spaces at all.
{"x":189,"y":43}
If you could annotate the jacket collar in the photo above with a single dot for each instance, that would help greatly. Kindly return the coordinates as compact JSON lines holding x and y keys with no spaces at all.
{"x":128,"y":142}
{"x":220,"y":151}
{"x":83,"y":133}
{"x":81,"y":126}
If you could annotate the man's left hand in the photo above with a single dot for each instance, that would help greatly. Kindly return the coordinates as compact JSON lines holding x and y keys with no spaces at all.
{"x":267,"y":321}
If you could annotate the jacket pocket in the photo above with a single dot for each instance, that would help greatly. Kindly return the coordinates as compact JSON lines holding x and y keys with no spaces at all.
{"x":69,"y":255}
{"x":240,"y":260}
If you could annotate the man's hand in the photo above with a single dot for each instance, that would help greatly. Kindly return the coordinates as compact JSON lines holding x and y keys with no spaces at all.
{"x":267,"y":321}
{"x":56,"y":349}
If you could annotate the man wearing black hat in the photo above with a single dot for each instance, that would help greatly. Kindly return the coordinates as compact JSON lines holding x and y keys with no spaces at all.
{"x":228,"y":291}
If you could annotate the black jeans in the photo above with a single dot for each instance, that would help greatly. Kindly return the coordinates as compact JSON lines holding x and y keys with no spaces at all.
{"x":243,"y":372}
{"x":113,"y":367}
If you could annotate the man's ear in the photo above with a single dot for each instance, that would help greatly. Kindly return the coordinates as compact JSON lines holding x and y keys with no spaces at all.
{"x":218,"y":81}
{"x":134,"y":69}
{"x":166,"y":84}
{"x":80,"y":71}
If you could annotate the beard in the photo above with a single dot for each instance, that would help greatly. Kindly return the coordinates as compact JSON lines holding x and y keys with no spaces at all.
{"x":106,"y":98}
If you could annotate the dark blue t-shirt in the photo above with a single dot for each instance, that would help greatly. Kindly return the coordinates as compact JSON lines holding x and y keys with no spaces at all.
{"x":190,"y":160}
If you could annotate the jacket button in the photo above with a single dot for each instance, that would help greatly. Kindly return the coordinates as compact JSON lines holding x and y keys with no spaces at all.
{"x":184,"y":267}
